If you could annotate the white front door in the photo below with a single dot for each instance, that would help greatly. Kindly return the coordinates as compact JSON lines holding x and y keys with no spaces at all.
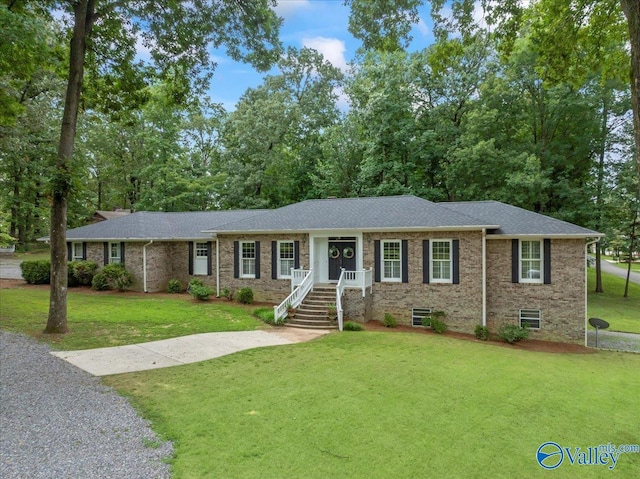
{"x":201,"y":259}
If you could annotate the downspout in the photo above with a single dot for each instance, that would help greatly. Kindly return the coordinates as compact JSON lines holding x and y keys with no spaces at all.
{"x":484,"y":277}
{"x":586,"y":305}
{"x":217,"y":266}
{"x":144,"y":265}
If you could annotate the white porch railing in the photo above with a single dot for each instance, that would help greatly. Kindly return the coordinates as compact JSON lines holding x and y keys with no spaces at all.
{"x":297,"y":277}
{"x":362,"y":279}
{"x":304,"y":280}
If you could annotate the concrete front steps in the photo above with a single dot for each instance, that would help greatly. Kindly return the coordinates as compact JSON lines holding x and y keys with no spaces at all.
{"x":312,"y":313}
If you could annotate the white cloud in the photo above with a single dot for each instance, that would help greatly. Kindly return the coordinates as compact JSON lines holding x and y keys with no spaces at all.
{"x":285,"y":8}
{"x":422,"y":27}
{"x":331,"y":49}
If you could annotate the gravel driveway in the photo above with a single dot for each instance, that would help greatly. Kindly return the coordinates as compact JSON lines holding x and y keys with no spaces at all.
{"x":60,"y":422}
{"x":614,"y":340}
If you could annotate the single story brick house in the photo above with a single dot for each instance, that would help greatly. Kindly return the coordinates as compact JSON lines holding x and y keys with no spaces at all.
{"x":481,"y":262}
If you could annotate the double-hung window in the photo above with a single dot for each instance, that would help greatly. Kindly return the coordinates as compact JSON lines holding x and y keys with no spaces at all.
{"x":286,"y":258}
{"x":531,"y":261}
{"x":115,"y":253}
{"x":77,"y":251}
{"x":248,"y":259}
{"x":441,"y":261}
{"x":391,"y":260}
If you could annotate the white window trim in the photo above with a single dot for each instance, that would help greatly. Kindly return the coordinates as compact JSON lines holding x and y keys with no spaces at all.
{"x":432,"y":261}
{"x":242,"y":259}
{"x":539,"y":280}
{"x":112,"y":259}
{"x":75,"y":246}
{"x":527,"y":314}
{"x":383,"y":278}
{"x":281,"y":259}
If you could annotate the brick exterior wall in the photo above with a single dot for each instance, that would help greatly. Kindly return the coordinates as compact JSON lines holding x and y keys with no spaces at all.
{"x":562,"y":302}
{"x":165,"y":261}
{"x":264,"y":288}
{"x":462,"y":302}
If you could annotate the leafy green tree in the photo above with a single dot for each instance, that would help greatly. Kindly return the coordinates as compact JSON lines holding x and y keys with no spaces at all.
{"x":383,"y":25}
{"x":179,"y":35}
{"x":274,"y":137}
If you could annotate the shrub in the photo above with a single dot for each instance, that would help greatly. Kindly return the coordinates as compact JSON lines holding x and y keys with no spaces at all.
{"x":245,"y":295}
{"x":198,"y":290}
{"x":352,"y":326}
{"x":481,"y":332}
{"x":112,"y":276}
{"x":174,"y":286}
{"x":36,"y":271}
{"x":437,"y":322}
{"x":227,"y":293}
{"x":81,"y":273}
{"x":512,"y":333}
{"x":438,"y":325}
{"x":389,"y":321}
{"x":100,"y":282}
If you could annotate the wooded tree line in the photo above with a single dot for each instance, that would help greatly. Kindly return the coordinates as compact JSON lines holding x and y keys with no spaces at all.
{"x":530,"y":105}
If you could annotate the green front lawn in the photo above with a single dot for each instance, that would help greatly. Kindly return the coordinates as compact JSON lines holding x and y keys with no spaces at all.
{"x":623,"y":314}
{"x":113,"y":319}
{"x":380,"y":405}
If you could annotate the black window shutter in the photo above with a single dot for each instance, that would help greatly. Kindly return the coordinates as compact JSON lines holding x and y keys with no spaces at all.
{"x":84,"y":251}
{"x":547,"y":261}
{"x":236,"y":259}
{"x":209,"y":258}
{"x":106,"y":253}
{"x":69,"y":251}
{"x":274,"y":260}
{"x":257,"y":259}
{"x":425,"y":261}
{"x":455,"y":260}
{"x":122,"y":253}
{"x":405,"y":261}
{"x":376,"y":260}
{"x":296,"y":254}
{"x":191,"y":246}
{"x":515,"y":261}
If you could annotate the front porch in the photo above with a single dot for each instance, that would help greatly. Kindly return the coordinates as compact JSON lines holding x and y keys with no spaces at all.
{"x":316,"y":310}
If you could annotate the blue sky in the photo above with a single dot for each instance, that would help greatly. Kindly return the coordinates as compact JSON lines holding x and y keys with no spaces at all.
{"x":318,"y":24}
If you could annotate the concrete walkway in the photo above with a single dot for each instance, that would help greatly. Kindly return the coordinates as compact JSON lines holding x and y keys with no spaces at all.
{"x":178,"y":351}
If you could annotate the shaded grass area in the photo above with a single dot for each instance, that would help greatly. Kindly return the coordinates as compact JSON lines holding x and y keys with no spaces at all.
{"x":381,"y":405}
{"x":622,"y":314}
{"x":107,"y":319}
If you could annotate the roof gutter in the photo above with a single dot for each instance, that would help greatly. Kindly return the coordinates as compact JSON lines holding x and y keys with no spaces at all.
{"x":484,"y":277}
{"x":144,"y":265}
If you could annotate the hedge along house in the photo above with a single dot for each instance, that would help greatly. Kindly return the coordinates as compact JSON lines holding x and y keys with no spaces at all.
{"x":154,"y":246}
{"x":479,"y":262}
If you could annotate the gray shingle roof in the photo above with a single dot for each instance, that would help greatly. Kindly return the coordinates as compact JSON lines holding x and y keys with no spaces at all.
{"x":516,"y":221}
{"x":389,"y":213}
{"x":377,"y":213}
{"x":146,"y":225}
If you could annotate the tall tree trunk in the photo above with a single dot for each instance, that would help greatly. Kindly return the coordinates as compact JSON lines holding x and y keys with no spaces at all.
{"x":632,"y":248}
{"x":599,"y":186}
{"x":631,"y":9}
{"x":83,"y":21}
